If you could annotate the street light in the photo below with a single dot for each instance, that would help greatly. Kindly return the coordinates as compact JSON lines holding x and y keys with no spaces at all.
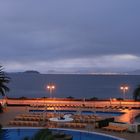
{"x":51,"y":87}
{"x":124,"y":89}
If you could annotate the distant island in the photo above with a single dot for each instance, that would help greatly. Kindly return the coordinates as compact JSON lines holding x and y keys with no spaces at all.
{"x":135,"y":72}
{"x":32,"y":71}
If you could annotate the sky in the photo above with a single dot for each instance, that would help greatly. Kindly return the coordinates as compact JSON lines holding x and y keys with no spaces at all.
{"x":70,"y":35}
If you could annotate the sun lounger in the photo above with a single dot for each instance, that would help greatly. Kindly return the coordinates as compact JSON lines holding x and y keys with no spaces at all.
{"x":24,"y":123}
{"x":115,"y":128}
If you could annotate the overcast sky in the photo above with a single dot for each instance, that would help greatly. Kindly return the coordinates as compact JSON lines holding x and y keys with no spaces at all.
{"x":70,"y":35}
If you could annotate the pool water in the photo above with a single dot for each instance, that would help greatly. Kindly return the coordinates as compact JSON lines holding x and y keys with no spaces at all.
{"x":100,"y":113}
{"x":137,"y":119}
{"x":19,"y":134}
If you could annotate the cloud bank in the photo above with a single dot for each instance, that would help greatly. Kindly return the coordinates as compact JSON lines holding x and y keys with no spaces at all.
{"x":70,"y":35}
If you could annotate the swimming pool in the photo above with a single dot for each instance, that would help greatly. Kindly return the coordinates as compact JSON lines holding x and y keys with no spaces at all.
{"x":19,"y":134}
{"x":103,"y":113}
{"x":100,"y":113}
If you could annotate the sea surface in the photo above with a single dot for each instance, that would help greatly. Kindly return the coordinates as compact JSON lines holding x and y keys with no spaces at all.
{"x":78,"y":86}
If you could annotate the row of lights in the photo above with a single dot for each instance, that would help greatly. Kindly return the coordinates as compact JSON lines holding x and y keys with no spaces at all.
{"x":124,"y":88}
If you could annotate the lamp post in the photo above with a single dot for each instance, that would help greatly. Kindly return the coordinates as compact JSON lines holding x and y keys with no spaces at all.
{"x":124,"y":89}
{"x":50,"y":88}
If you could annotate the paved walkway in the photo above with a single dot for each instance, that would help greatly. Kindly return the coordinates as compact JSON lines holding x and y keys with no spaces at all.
{"x":10,"y":113}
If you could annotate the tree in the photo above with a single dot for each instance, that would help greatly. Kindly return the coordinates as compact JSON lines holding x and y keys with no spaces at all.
{"x":70,"y":97}
{"x":94,"y":99}
{"x":136,"y":94}
{"x":3,"y":134}
{"x":3,"y":81}
{"x":0,"y":132}
{"x":1,"y":108}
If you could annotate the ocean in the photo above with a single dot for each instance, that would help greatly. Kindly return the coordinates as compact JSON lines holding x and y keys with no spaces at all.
{"x":78,"y":86}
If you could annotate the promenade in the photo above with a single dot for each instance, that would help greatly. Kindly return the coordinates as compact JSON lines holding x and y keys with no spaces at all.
{"x":99,"y":103}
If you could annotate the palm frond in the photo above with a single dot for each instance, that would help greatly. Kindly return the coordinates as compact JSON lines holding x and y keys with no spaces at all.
{"x":136,"y":94}
{"x":3,"y":81}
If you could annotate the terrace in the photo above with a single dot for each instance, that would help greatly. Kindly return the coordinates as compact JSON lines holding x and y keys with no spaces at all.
{"x":38,"y":114}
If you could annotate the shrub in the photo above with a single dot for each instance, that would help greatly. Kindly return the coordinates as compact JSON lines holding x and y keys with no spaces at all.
{"x":103,"y":123}
{"x":1,"y":108}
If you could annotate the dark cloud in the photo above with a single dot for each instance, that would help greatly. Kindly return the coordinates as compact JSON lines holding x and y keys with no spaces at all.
{"x":61,"y":32}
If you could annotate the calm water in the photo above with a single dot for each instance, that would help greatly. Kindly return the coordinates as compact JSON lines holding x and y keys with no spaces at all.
{"x":79,"y":86}
{"x":19,"y":134}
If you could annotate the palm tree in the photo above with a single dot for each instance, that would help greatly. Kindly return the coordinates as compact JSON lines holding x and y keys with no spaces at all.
{"x":3,"y":133}
{"x":136,"y":94}
{"x":3,"y":81}
{"x":0,"y":132}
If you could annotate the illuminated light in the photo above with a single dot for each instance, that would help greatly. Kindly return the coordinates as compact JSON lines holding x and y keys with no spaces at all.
{"x":50,"y":88}
{"x":114,"y":99}
{"x":124,"y":88}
